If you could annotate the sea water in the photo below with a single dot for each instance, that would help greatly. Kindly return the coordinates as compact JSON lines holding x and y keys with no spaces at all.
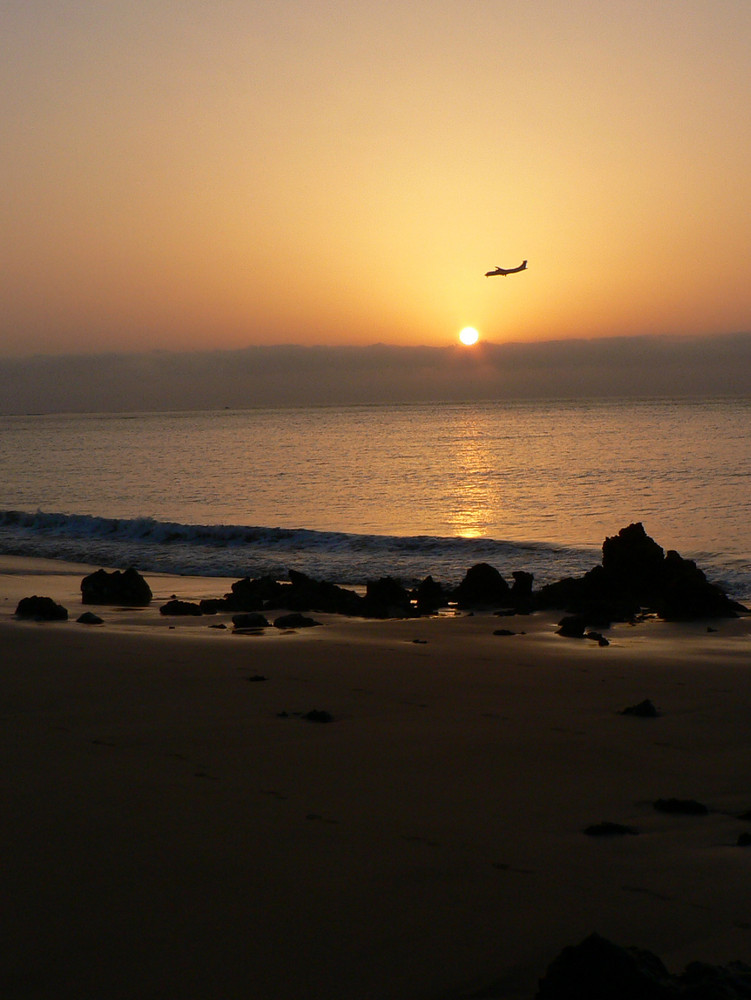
{"x":349,"y":493}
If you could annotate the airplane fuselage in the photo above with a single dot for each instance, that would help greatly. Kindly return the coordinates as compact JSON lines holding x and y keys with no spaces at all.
{"x":503,"y":271}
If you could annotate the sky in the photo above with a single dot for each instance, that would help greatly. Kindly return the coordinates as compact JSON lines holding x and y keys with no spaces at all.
{"x":186,"y":176}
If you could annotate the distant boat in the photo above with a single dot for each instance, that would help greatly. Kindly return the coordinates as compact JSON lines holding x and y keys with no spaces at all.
{"x":507,"y":270}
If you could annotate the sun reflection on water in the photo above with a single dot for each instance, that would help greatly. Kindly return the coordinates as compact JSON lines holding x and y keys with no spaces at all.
{"x":475,"y":499}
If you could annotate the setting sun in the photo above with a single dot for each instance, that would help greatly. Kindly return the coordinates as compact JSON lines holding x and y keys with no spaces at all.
{"x":469,"y":336}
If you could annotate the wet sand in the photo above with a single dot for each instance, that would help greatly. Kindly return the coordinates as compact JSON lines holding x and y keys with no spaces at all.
{"x":174,"y":827}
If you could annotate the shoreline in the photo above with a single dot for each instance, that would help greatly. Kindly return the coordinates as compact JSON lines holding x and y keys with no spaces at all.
{"x":178,"y":828}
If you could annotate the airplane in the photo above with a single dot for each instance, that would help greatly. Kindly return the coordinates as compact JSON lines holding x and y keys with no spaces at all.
{"x":507,"y":270}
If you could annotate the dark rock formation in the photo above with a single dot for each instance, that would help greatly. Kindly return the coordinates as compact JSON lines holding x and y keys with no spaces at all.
{"x":636,"y":574}
{"x":482,"y":587}
{"x":681,"y":807}
{"x":41,"y":609}
{"x":521,"y":590}
{"x":387,"y":598}
{"x":294,"y":620}
{"x":250,"y":595}
{"x":184,"y":608}
{"x":128,"y":588}
{"x":307,"y":594}
{"x":631,"y":560}
{"x":589,"y":596}
{"x":685,"y":593}
{"x":429,"y":596}
{"x":597,"y":969}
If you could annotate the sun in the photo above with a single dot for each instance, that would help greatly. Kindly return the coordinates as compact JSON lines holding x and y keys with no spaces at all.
{"x":469,"y":336}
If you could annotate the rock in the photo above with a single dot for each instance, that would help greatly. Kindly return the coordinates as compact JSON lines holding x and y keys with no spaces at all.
{"x":294,"y":620}
{"x":317,"y":715}
{"x":503,"y":631}
{"x":521,"y":590}
{"x":89,"y":618}
{"x":572,"y":626}
{"x":636,"y":574}
{"x":597,"y":637}
{"x":307,"y":594}
{"x":252,"y":619}
{"x":252,"y":595}
{"x":702,"y":981}
{"x":212,"y":605}
{"x":128,"y":588}
{"x":429,"y":596}
{"x":597,"y":969}
{"x":681,"y":807}
{"x":685,"y":593}
{"x":482,"y":586}
{"x":41,"y":609}
{"x":184,"y":608}
{"x":632,"y":558}
{"x":387,"y":598}
{"x":608,"y":829}
{"x":590,"y":595}
{"x":644,"y":710}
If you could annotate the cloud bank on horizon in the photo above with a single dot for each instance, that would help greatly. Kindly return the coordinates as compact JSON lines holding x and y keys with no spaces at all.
{"x":298,"y":375}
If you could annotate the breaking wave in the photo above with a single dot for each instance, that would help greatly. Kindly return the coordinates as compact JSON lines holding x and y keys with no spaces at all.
{"x":244,"y":550}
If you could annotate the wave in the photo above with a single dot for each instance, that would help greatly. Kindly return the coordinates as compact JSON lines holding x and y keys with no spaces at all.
{"x":349,"y":559}
{"x":244,"y":550}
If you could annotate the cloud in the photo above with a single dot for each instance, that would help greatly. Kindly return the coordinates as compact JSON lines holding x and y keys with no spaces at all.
{"x":293,"y":375}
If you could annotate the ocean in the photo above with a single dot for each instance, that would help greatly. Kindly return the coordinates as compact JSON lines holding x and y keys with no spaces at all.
{"x":351,"y":493}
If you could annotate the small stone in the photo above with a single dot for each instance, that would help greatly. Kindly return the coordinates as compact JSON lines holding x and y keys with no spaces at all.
{"x":607,"y":829}
{"x":250,"y":620}
{"x":644,"y":710}
{"x":294,"y":620}
{"x":317,"y":715}
{"x":89,"y":618}
{"x":681,"y":807}
{"x":183,"y":608}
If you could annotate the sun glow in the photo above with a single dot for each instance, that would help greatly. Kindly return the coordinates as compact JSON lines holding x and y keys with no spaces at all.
{"x":469,"y":336}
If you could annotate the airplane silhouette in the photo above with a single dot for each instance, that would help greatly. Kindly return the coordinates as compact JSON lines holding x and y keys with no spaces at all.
{"x":507,"y":270}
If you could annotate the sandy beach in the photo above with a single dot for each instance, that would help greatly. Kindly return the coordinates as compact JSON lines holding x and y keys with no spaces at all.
{"x":175,"y":827}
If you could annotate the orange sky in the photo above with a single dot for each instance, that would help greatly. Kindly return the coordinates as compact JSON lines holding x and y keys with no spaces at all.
{"x":185,"y":175}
